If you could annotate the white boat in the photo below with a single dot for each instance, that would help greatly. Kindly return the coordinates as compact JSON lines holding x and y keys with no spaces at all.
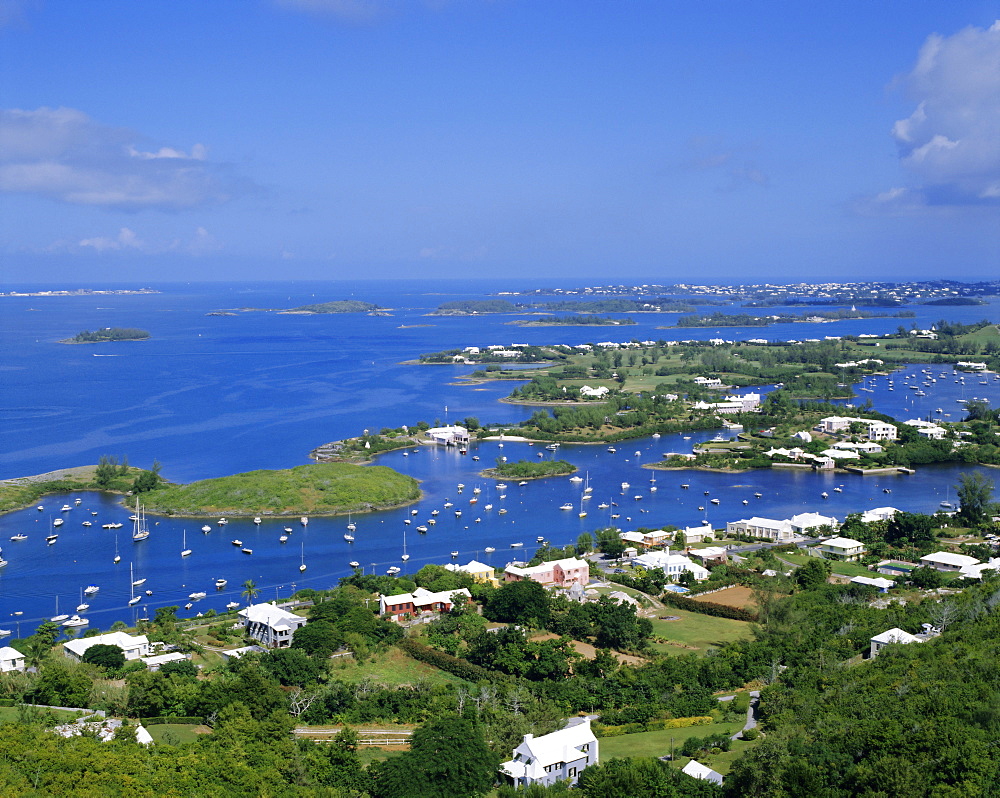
{"x":351,"y":526}
{"x":715,"y":501}
{"x":247,"y":550}
{"x":458,"y":513}
{"x":406,"y":556}
{"x":185,"y":551}
{"x":302,"y":565}
{"x":40,"y":507}
{"x":57,"y":618}
{"x":516,"y":545}
{"x":288,"y":530}
{"x":304,"y":521}
{"x":354,"y":564}
{"x":5,"y":632}
{"x":140,"y":531}
{"x":488,"y":550}
{"x":582,"y":513}
{"x":566,"y":506}
{"x":19,"y":536}
{"x":576,"y":479}
{"x":522,"y":483}
{"x":138,"y":582}
{"x":237,"y":542}
{"x":501,"y":486}
{"x":454,"y":554}
{"x":393,"y":570}
{"x":76,"y":620}
{"x":432,"y":521}
{"x":65,"y":508}
{"x":477,"y":490}
{"x":347,"y":536}
{"x":257,"y":520}
{"x":461,"y":486}
{"x":449,"y":504}
{"x":107,"y":526}
{"x":206,"y":529}
{"x":198,"y":595}
{"x":283,"y":539}
{"x":78,"y":501}
{"x":90,"y":590}
{"x":502,"y":510}
{"x":603,"y":506}
{"x":221,"y":583}
{"x":232,"y":605}
{"x":612,"y":450}
{"x":222,"y":521}
{"x":58,"y":522}
{"x":422,"y":529}
{"x":118,"y":557}
{"x":625,"y":486}
{"x":435,"y":512}
{"x":540,"y":539}
{"x":488,"y":507}
{"x":824,"y":495}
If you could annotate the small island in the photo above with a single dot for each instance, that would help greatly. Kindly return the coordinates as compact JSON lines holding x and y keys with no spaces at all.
{"x":316,"y":489}
{"x":530,"y":469}
{"x":107,"y":334}
{"x":318,"y":308}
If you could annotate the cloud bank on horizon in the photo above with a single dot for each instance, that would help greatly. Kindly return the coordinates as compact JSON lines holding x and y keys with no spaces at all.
{"x":443,"y":136}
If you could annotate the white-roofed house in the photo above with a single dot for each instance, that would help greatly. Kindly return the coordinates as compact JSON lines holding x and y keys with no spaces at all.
{"x":805,"y":437}
{"x":878,"y":514}
{"x":673,"y":565}
{"x":710,"y":555}
{"x":421,"y":600}
{"x":135,"y":647}
{"x":559,"y":756}
{"x":804,"y":523}
{"x":11,"y":659}
{"x":948,"y":562}
{"x":699,"y":771}
{"x":271,"y":625}
{"x":757,"y":527}
{"x":698,"y":534}
{"x":845,"y":549}
{"x":448,"y":436}
{"x":879,"y":583}
{"x":978,"y":570}
{"x":890,"y":637}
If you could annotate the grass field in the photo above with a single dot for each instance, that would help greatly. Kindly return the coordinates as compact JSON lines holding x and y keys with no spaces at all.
{"x":696,"y":632}
{"x":9,"y":714}
{"x":842,"y":568}
{"x":393,"y":668}
{"x":736,"y":596}
{"x":657,"y":743}
{"x":176,"y":733}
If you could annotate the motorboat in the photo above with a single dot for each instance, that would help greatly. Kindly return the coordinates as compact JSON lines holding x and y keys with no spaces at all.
{"x":449,"y":504}
{"x":221,"y":583}
{"x":288,"y":530}
{"x":501,"y":486}
{"x":237,"y":542}
{"x":247,"y":550}
{"x":522,"y":483}
{"x":58,"y":522}
{"x":458,"y":513}
{"x":516,"y":545}
{"x":198,"y":595}
{"x":422,"y":529}
{"x":566,"y":506}
{"x":454,"y":554}
{"x":283,"y":539}
{"x":232,"y":605}
{"x":257,"y":520}
{"x":206,"y":529}
{"x":435,"y":512}
{"x":714,"y":501}
{"x":88,"y":523}
{"x":40,"y":507}
{"x":488,"y":550}
{"x":65,"y":508}
{"x":19,"y":536}
{"x":354,"y":564}
{"x":90,"y":590}
{"x":76,"y":620}
{"x":502,"y":510}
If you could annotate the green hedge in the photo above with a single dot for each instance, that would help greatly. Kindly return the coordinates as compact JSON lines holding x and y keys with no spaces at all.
{"x":7,"y":702}
{"x":180,"y":719}
{"x":601,"y":730}
{"x":709,"y":608}
{"x":456,"y":666}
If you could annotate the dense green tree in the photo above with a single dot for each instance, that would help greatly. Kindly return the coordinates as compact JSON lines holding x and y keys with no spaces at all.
{"x":448,"y":758}
{"x":317,"y":639}
{"x":290,"y":666}
{"x":105,"y":656}
{"x":632,"y":778}
{"x":524,"y":601}
{"x":975,"y":495}
{"x":813,"y":574}
{"x":250,"y":591}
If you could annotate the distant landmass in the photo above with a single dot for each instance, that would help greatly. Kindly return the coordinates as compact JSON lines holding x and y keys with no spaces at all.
{"x":955,"y":300}
{"x":107,"y":334}
{"x":336,"y":306}
{"x":82,"y":292}
{"x":572,"y":321}
{"x":470,"y":307}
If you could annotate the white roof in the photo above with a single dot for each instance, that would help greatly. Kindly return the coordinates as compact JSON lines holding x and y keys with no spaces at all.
{"x":535,"y":753}
{"x":947,"y":558}
{"x":700,"y":771}
{"x":272,"y":615}
{"x":879,"y":582}
{"x":124,"y":641}
{"x":142,"y":736}
{"x":969,"y":571}
{"x":878,"y":514}
{"x":162,"y":659}
{"x":808,"y":520}
{"x":424,"y":596}
{"x":895,"y":635}
{"x":10,"y":653}
{"x":704,"y":529}
{"x":567,"y":563}
{"x":764,"y":523}
{"x":843,"y":543}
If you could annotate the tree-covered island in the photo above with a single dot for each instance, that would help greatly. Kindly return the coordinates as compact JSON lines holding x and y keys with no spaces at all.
{"x":476,"y":307}
{"x":529,"y":469}
{"x":318,"y":308}
{"x":719,"y":319}
{"x":584,"y":320}
{"x":106,"y":334}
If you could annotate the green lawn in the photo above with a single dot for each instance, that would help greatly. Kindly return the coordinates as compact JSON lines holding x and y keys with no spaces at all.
{"x":372,"y":753}
{"x":392,"y":668}
{"x":842,"y":568}
{"x":722,"y":763}
{"x":696,"y":632}
{"x":9,"y":715}
{"x":657,"y":743}
{"x":176,"y":733}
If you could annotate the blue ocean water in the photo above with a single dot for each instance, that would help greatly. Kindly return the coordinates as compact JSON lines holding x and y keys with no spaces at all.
{"x":215,"y":395}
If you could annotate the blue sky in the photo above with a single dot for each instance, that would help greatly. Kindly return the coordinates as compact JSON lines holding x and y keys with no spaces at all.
{"x":670,"y":141}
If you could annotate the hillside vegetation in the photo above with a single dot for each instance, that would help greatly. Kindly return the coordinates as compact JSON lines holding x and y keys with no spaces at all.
{"x":321,"y":488}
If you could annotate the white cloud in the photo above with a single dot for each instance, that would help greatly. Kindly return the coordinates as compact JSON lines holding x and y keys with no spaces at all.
{"x":63,"y":154}
{"x":126,"y":239}
{"x":951,"y":141}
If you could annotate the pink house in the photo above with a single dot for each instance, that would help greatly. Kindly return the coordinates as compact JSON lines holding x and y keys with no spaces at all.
{"x":561,"y":573}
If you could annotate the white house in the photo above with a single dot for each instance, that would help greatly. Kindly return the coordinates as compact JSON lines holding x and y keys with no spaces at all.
{"x":880,"y":584}
{"x":838,"y":548}
{"x":448,"y":436}
{"x":134,"y":647}
{"x":708,"y":382}
{"x":699,"y":771}
{"x":559,"y":756}
{"x":805,"y":437}
{"x":881,"y":431}
{"x":878,"y":514}
{"x":11,"y":659}
{"x":804,"y":523}
{"x":978,"y":570}
{"x":673,"y":565}
{"x":594,"y":393}
{"x":889,"y":637}
{"x":270,"y":624}
{"x":698,"y":534}
{"x":757,"y":527}
{"x":948,"y":562}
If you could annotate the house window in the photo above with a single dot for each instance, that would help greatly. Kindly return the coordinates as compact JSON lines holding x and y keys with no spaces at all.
{"x":572,"y":773}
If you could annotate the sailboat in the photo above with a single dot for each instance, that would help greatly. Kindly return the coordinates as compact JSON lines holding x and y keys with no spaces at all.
{"x":586,"y":484}
{"x":185,"y":551}
{"x":302,"y":567}
{"x":139,"y":530}
{"x":405,"y":556}
{"x":582,"y":513}
{"x":135,"y":599}
{"x":946,"y":504}
{"x":82,"y":606}
{"x":118,"y":557}
{"x":349,"y":534}
{"x":57,"y":618}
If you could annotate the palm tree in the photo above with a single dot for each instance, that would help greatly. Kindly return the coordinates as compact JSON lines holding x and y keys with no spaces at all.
{"x":250,"y":591}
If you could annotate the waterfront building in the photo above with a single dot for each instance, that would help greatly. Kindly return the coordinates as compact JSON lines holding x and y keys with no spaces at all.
{"x":845,"y":549}
{"x":271,"y":625}
{"x":134,"y":646}
{"x":420,"y":601}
